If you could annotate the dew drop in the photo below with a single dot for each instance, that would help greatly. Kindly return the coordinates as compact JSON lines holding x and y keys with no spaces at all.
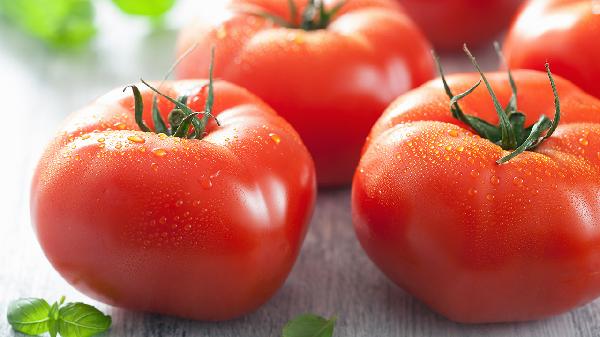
{"x":517,"y":181}
{"x":119,"y":126}
{"x":179,"y":203}
{"x":453,"y":132}
{"x":460,"y":148}
{"x":474,"y":173}
{"x":221,"y":33}
{"x":206,"y":183}
{"x":275,"y":137}
{"x":162,"y":136}
{"x":472,"y":191}
{"x":154,"y":166}
{"x":162,"y":220}
{"x":101,"y":140}
{"x":159,"y":152}
{"x":136,"y":139}
{"x":86,"y":136}
{"x":494,"y":180}
{"x":448,"y":147}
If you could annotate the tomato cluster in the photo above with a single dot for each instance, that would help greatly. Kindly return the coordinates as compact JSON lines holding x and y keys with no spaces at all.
{"x":475,"y":192}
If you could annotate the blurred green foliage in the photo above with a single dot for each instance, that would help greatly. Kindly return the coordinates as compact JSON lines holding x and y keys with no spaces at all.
{"x":145,"y":7}
{"x":69,"y":23}
{"x":56,"y":22}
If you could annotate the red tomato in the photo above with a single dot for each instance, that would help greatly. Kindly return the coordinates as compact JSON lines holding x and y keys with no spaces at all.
{"x":330,"y":83}
{"x":450,"y":23}
{"x":206,"y":229}
{"x":475,"y":240}
{"x":563,"y":32}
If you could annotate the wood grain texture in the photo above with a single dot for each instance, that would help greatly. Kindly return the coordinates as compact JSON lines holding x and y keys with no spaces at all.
{"x":333,"y":276}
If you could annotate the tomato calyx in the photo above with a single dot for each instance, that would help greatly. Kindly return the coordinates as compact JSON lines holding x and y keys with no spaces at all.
{"x":182,"y":117}
{"x":510,"y":133}
{"x":314,"y":17}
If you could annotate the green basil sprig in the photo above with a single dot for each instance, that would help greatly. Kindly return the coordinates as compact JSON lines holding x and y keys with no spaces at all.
{"x":34,"y":316}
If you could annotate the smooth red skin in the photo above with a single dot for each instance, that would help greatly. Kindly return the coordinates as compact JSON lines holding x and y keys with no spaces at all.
{"x":158,"y":234}
{"x":562,"y":32}
{"x":429,"y":212}
{"x":331,"y":85}
{"x":448,"y":24}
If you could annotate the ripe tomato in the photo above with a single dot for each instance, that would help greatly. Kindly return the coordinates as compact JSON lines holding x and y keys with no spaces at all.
{"x":450,"y":23}
{"x":206,"y":229}
{"x":563,"y":33}
{"x":330,"y":80}
{"x":475,"y":240}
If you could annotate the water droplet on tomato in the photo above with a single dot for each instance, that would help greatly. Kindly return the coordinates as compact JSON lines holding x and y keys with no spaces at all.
{"x":583,"y":141}
{"x":453,"y":132}
{"x":472,"y":191}
{"x":489,"y":197}
{"x":494,"y":180}
{"x":518,"y":181}
{"x":474,"y":173}
{"x":275,"y":137}
{"x":136,"y":139}
{"x":162,"y":220}
{"x":159,"y":152}
{"x":86,"y":136}
{"x":206,"y":182}
{"x":119,"y":126}
{"x":179,"y":203}
{"x":101,"y":140}
{"x":162,"y":136}
{"x":154,"y":166}
{"x":221,"y":33}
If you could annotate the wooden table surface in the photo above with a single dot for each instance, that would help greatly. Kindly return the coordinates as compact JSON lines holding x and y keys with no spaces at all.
{"x":333,"y":276}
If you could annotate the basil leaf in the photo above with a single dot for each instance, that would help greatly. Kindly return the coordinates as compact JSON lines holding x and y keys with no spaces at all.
{"x":145,"y":7}
{"x":81,"y":320}
{"x":29,"y":315}
{"x":309,"y":325}
{"x":53,"y":318}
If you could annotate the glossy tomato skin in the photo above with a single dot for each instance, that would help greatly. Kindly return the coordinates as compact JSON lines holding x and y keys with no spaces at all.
{"x":204,"y":229}
{"x":330,"y":84}
{"x":474,"y":240}
{"x":562,"y":32}
{"x":448,"y":24}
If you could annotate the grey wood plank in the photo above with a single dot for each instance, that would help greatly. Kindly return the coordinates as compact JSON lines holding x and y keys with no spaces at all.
{"x":333,"y":276}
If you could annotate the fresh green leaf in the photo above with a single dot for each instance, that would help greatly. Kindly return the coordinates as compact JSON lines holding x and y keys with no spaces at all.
{"x":59,"y":23}
{"x":53,"y":318}
{"x":145,"y":7}
{"x":29,"y":315}
{"x":309,"y":325}
{"x":81,"y":320}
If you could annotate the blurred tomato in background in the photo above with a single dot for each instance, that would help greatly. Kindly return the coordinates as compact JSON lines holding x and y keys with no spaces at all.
{"x":450,"y":23}
{"x":562,"y":32}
